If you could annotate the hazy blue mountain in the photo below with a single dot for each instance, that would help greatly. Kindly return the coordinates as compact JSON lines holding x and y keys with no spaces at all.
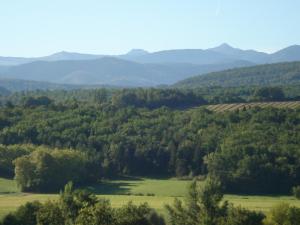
{"x":69,"y":56}
{"x":193,"y":56}
{"x":4,"y":91}
{"x":137,"y":67}
{"x":248,"y":55}
{"x":218,"y":55}
{"x":111,"y":71}
{"x":12,"y":85}
{"x":262,"y":75}
{"x":4,"y":69}
{"x":288,"y":54}
{"x":137,"y":52}
{"x":12,"y":61}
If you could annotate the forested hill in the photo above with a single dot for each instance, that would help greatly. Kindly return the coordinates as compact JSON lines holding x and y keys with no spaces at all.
{"x":4,"y":91}
{"x":263,"y":75}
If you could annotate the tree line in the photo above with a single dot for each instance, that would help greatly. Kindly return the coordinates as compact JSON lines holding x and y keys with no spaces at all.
{"x":153,"y":97}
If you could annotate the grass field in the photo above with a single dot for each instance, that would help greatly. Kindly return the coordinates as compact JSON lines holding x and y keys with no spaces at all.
{"x":236,"y":106}
{"x":137,"y":190}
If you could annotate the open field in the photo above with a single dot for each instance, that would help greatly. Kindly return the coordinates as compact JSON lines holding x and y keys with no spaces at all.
{"x":239,"y":106}
{"x":136,"y":190}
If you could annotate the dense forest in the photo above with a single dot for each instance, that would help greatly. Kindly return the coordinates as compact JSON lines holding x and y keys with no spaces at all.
{"x":157,"y":97}
{"x":148,"y":132}
{"x":262,"y":75}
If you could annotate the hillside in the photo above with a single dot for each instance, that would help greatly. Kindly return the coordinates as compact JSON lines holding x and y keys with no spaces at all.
{"x":11,"y":85}
{"x":4,"y":91}
{"x":110,"y":71}
{"x":263,"y":75}
{"x":138,"y":68}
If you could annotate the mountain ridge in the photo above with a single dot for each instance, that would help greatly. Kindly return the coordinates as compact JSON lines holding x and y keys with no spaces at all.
{"x":259,"y":75}
{"x":142,"y":56}
{"x":111,"y":71}
{"x":138,"y":68}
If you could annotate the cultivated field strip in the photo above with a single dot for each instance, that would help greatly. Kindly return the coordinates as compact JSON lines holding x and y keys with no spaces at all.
{"x":240,"y":106}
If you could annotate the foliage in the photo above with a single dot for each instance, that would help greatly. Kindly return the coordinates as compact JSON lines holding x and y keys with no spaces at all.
{"x":48,"y":170}
{"x":155,"y":98}
{"x":296,"y":192}
{"x":82,"y":208}
{"x":8,"y":154}
{"x":204,"y":206}
{"x":258,"y":156}
{"x":50,"y":214}
{"x":283,"y":214}
{"x":241,"y":216}
{"x":39,"y":101}
{"x":72,"y":201}
{"x":26,"y":214}
{"x":124,"y":133}
{"x":269,"y":94}
{"x":99,"y":214}
{"x":131,"y":214}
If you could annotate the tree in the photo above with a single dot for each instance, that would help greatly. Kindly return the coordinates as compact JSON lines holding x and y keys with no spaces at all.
{"x":72,"y":201}
{"x":131,"y":214}
{"x":269,"y":94}
{"x":50,"y":214}
{"x":46,"y":170}
{"x":99,"y":214}
{"x":202,"y":205}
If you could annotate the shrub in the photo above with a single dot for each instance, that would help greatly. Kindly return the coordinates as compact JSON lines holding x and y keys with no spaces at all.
{"x":50,"y":214}
{"x":25,"y":214}
{"x":283,"y":214}
{"x":296,"y":192}
{"x":131,"y":214}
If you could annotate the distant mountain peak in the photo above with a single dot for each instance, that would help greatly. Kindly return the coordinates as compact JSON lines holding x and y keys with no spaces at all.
{"x":61,"y":54}
{"x":223,"y":48}
{"x":224,"y":45}
{"x":137,"y":52}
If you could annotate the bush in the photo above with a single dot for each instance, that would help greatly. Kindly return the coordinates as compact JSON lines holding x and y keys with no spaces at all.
{"x":283,"y":214}
{"x":240,"y":216}
{"x":99,"y":214}
{"x":50,"y":214}
{"x":25,"y":214}
{"x":131,"y":214}
{"x":296,"y":192}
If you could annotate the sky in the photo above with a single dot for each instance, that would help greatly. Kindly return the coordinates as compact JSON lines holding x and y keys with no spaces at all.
{"x":42,"y":27}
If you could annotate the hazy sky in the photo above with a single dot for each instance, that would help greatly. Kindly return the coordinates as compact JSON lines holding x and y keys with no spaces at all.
{"x":41,"y":27}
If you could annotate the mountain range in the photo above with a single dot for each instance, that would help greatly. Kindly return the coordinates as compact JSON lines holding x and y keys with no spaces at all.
{"x":138,"y":67}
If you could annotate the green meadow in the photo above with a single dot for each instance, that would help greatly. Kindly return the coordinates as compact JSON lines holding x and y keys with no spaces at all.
{"x":157,"y":192}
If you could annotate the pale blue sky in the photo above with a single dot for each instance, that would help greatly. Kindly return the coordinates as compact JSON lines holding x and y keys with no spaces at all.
{"x":41,"y":27}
